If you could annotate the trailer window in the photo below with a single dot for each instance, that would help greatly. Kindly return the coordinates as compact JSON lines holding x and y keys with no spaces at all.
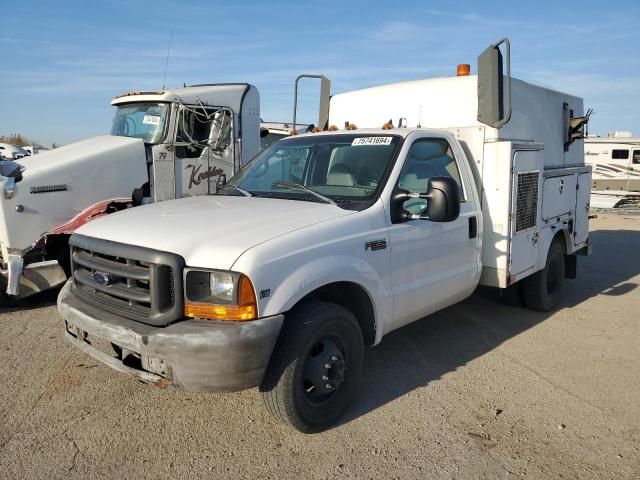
{"x":427,"y":158}
{"x":620,"y":154}
{"x":636,"y":157}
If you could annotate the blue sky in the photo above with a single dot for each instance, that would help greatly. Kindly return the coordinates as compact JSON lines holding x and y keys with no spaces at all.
{"x":62,"y":62}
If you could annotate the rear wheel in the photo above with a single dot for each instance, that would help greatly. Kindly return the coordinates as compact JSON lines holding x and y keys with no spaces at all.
{"x":543,"y":290}
{"x":315,"y":368}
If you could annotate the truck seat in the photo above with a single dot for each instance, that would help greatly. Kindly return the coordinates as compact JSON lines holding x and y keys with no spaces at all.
{"x":340,"y":174}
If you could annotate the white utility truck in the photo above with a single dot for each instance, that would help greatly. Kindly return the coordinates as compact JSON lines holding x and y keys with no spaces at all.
{"x":163,"y":145}
{"x":328,"y":241}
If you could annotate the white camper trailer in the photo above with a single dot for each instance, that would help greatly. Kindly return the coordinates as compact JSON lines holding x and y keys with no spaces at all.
{"x":616,"y":162}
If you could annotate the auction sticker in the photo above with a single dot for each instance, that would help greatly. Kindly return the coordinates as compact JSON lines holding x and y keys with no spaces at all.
{"x":371,"y":141}
{"x":151,"y":120}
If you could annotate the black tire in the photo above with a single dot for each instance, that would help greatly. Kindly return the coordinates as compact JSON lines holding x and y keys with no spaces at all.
{"x":295,"y":386}
{"x":543,"y":290}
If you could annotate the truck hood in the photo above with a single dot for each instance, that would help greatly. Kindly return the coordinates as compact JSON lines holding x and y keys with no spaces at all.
{"x":210,"y":231}
{"x":57,"y":185}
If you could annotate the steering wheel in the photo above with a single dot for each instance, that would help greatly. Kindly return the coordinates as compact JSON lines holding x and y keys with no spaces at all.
{"x":370,"y":182}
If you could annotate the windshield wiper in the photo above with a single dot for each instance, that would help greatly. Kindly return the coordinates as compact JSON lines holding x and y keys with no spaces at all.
{"x":298,"y":186}
{"x":235,"y":187}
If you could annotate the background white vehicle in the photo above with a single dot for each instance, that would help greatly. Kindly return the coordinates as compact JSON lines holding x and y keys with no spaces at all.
{"x":34,"y":149}
{"x":331,"y":240}
{"x":615,"y":160}
{"x":163,"y":145}
{"x":12,"y":152}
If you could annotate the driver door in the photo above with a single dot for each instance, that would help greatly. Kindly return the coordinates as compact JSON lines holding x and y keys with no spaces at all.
{"x":433,"y":264}
{"x":197,"y":163}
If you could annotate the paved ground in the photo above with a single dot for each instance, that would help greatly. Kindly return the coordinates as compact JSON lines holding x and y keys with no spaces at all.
{"x":480,"y":390}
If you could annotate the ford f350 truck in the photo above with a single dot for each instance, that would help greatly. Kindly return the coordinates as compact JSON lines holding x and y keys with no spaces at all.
{"x":328,"y":241}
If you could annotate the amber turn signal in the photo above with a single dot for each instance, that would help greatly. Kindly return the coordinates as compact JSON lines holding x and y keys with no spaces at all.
{"x":220,"y":312}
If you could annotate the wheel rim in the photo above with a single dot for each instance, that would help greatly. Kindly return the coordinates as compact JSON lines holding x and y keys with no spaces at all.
{"x":324,"y":370}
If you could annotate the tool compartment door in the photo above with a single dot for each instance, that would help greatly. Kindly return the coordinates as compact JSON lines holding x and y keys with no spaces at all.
{"x":558,"y":196}
{"x":583,"y":195}
{"x":525,"y":211}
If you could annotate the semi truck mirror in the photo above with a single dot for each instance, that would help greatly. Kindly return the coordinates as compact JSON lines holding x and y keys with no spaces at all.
{"x":221,"y":130}
{"x":494,"y":88}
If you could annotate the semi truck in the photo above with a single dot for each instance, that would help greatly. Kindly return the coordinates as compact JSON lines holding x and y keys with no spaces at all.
{"x":411,"y":196}
{"x":163,"y":145}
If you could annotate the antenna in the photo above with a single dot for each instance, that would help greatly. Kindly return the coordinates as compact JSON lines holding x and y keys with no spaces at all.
{"x":166,"y":63}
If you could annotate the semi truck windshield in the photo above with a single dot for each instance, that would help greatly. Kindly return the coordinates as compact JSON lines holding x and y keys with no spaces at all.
{"x":141,"y":120}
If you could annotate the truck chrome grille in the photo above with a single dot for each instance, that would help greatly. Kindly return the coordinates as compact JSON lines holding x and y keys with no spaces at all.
{"x":138,"y":283}
{"x":527,"y":200}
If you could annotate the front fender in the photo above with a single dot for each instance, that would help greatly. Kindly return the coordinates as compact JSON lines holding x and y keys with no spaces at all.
{"x":310,"y":276}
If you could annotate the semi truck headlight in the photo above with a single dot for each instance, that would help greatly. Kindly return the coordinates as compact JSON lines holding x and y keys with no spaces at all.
{"x":218,"y":295}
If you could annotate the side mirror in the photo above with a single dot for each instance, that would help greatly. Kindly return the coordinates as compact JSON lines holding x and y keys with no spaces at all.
{"x":443,"y":202}
{"x":221,"y":130}
{"x":494,"y":88}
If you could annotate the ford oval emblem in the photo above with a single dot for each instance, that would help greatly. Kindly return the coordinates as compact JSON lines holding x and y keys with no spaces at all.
{"x":102,"y":278}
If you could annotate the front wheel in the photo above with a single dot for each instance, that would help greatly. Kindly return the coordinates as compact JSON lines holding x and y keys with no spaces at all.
{"x":543,"y":290}
{"x":315,"y":368}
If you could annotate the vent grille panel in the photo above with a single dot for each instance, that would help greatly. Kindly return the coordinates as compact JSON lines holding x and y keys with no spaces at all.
{"x":527,"y":200}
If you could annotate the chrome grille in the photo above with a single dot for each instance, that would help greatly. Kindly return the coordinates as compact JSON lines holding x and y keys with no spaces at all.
{"x":527,"y":200}
{"x":135,"y":282}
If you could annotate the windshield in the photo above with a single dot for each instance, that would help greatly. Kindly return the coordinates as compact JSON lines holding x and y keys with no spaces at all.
{"x":141,"y":120}
{"x":323,"y":168}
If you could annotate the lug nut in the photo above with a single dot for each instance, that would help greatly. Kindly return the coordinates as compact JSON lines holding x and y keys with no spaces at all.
{"x":328,"y":386}
{"x":334,"y":358}
{"x":324,"y":377}
{"x":327,"y":366}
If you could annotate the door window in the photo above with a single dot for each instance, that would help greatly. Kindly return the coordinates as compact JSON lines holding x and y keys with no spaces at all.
{"x":427,"y":158}
{"x":636,"y":157}
{"x":194,"y":131}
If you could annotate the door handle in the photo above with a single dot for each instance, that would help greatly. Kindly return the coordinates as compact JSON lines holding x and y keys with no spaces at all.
{"x":473,"y":227}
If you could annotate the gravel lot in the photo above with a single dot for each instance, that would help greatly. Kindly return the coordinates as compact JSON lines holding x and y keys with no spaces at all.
{"x":480,"y":390}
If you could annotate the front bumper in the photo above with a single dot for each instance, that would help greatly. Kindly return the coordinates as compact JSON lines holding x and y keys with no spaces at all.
{"x":192,"y":355}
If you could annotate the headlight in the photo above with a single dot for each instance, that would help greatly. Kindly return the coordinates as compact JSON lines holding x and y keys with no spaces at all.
{"x":222,"y":286}
{"x":218,"y":295}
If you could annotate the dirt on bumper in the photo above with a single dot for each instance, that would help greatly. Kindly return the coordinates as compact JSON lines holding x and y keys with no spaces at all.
{"x":192,"y":355}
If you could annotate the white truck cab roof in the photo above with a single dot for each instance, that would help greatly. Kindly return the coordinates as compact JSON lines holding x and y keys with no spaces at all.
{"x":210,"y":94}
